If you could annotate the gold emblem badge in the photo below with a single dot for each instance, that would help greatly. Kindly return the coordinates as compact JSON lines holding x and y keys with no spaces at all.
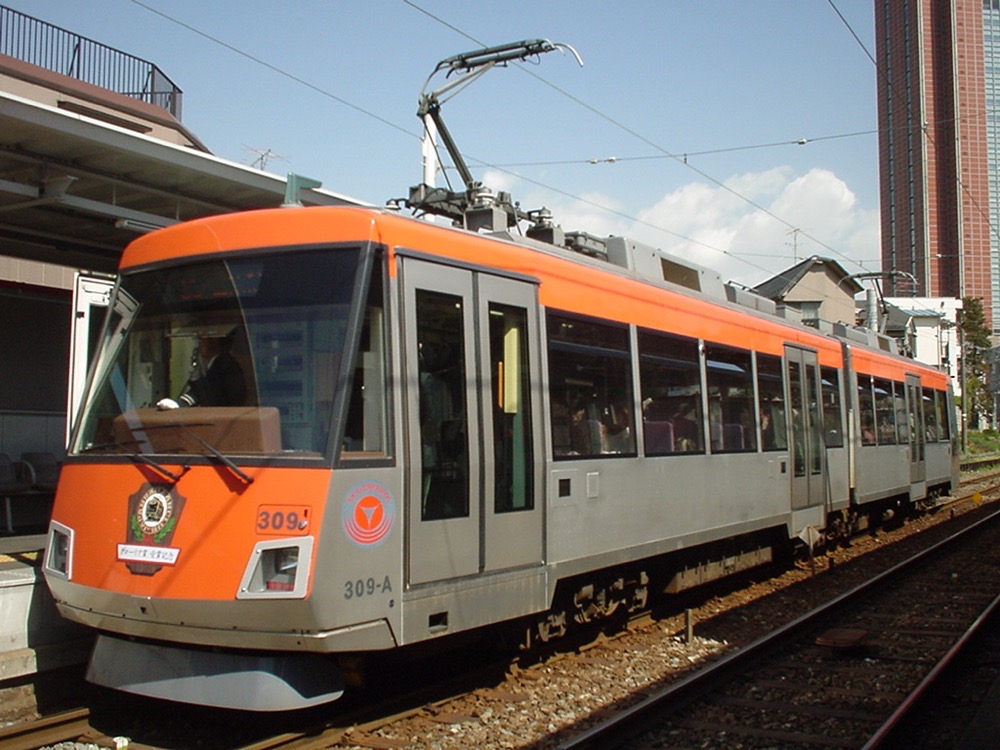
{"x":153,"y":513}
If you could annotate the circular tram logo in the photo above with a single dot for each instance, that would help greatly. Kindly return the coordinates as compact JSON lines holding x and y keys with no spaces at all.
{"x":368,"y":514}
{"x":155,"y":510}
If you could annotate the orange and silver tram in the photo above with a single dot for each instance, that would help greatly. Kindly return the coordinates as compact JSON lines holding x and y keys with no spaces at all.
{"x":320,"y":432}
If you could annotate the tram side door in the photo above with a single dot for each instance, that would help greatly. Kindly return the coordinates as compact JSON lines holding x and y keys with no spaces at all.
{"x":807,"y":454}
{"x":917,"y":429}
{"x":469,"y":355}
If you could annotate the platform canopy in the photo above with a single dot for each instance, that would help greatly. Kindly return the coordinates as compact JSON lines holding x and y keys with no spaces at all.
{"x":74,"y":190}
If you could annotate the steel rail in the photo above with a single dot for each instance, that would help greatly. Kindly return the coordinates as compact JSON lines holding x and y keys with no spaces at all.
{"x":49,"y":730}
{"x":884,"y":733}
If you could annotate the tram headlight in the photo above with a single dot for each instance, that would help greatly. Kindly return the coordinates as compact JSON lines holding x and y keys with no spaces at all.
{"x":59,"y":551}
{"x":277,"y":568}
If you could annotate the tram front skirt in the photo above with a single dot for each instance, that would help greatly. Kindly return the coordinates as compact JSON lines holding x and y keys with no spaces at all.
{"x":226,"y":679}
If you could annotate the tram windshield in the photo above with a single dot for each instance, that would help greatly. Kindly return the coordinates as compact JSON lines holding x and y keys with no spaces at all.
{"x":242,"y":355}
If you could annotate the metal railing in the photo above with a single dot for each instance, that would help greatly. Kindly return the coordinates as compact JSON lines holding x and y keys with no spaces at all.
{"x":40,"y":43}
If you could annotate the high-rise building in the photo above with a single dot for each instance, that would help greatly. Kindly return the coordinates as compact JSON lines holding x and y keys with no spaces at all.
{"x":939,"y":147}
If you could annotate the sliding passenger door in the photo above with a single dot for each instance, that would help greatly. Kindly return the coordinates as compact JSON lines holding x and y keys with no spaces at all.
{"x":917,"y":429}
{"x":470,"y":355}
{"x":805,"y":416}
{"x":512,"y":471}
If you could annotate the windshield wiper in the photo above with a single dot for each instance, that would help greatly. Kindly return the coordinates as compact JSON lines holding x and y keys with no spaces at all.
{"x":184,"y":426}
{"x":221,"y":456}
{"x":140,"y":458}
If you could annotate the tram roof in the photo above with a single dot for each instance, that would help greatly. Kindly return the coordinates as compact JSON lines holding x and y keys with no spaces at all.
{"x":718,"y":320}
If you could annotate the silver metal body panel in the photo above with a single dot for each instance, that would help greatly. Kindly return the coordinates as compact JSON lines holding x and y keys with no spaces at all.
{"x":622,"y":556}
{"x":169,"y":625}
{"x":939,"y":464}
{"x":837,"y":460}
{"x":361,"y":582}
{"x":440,"y":609}
{"x":673,"y":502}
{"x":882,"y":471}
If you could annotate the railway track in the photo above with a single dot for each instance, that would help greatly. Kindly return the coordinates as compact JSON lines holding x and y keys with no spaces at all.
{"x":971,"y":464}
{"x":843,"y":675}
{"x":475,"y":712}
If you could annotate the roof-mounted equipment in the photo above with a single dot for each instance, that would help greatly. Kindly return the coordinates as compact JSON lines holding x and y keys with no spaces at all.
{"x":475,"y":207}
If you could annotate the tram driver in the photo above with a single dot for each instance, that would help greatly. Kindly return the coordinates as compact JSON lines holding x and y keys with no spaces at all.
{"x":216,"y":377}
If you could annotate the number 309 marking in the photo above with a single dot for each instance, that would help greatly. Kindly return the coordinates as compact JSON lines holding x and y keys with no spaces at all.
{"x":283,"y":519}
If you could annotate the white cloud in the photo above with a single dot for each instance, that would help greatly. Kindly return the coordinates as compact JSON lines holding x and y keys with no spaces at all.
{"x":750,"y":242}
{"x":743,"y":230}
{"x":497,"y":180}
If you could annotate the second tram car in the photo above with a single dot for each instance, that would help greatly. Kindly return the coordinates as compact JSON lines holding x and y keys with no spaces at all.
{"x":329,"y":431}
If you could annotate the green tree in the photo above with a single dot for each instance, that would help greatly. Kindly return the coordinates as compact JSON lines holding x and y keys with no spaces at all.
{"x":975,"y":358}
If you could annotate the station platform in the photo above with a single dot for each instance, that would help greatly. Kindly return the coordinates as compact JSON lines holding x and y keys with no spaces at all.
{"x":33,"y":637}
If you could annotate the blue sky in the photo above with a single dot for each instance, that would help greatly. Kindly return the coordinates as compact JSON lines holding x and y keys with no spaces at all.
{"x":329,"y":88}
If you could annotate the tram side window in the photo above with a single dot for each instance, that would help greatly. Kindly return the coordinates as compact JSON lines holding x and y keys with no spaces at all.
{"x":930,"y":415}
{"x":866,"y":410}
{"x":511,"y":409}
{"x":366,"y":428}
{"x":833,"y":425}
{"x":944,"y":409}
{"x":902,"y":416}
{"x":442,"y":379}
{"x":670,"y":379}
{"x":731,"y":421}
{"x":591,"y":395}
{"x":885,"y":414}
{"x":771,"y":389}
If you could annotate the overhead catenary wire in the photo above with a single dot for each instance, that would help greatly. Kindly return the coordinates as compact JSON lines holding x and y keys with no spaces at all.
{"x":363,"y":111}
{"x":274,"y":68}
{"x":686,"y":154}
{"x":649,"y":142}
{"x":663,"y":152}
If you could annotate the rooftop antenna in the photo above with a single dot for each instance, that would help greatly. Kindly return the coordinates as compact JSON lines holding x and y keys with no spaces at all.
{"x":263,"y":156}
{"x":467,"y":66}
{"x":795,"y":232}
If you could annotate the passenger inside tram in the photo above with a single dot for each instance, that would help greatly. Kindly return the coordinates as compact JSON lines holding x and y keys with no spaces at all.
{"x":767,"y":428}
{"x":585,"y":434}
{"x":616,"y":428}
{"x":687,"y":425}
